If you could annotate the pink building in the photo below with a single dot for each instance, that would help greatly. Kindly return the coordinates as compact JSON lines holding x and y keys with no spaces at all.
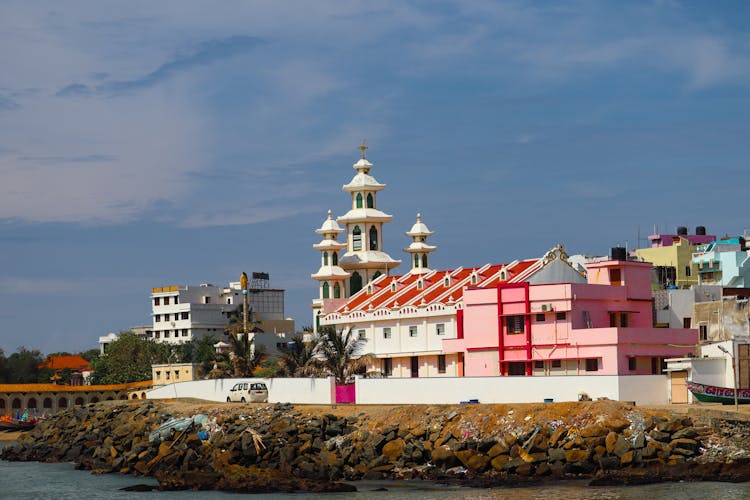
{"x":603,"y":326}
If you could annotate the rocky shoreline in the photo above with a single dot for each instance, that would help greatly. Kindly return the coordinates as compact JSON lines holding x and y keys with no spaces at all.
{"x":285,"y":448}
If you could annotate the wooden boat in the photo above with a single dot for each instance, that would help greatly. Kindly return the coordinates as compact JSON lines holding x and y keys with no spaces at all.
{"x":8,"y":423}
{"x":713,"y":394}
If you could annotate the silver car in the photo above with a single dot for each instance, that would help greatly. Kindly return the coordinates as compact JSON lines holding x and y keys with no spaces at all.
{"x":253,"y":392}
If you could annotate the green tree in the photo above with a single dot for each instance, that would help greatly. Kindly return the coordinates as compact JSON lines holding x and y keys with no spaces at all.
{"x":3,"y":368}
{"x":22,"y":367}
{"x":129,"y":359}
{"x":341,"y":354}
{"x":297,"y":359}
{"x":200,"y":351}
{"x":89,"y":355}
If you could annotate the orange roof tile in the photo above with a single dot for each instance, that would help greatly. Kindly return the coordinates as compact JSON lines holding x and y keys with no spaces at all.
{"x":5,"y":388}
{"x":73,"y":362}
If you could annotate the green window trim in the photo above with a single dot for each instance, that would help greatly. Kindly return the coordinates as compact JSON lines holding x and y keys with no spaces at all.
{"x":358,"y":200}
{"x":370,"y":201}
{"x":326,"y":290}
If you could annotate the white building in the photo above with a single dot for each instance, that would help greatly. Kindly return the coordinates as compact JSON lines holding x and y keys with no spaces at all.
{"x":181,"y":314}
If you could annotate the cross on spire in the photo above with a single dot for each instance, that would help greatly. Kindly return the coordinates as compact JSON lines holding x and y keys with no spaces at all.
{"x":363,"y":147}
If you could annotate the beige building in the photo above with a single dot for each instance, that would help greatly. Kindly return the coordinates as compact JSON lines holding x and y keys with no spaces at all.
{"x":170,"y":373}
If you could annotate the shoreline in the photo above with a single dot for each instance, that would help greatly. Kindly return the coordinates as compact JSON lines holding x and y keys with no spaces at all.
{"x":265,"y":448}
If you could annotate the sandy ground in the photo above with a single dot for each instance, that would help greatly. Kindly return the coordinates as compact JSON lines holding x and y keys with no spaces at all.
{"x":10,"y":437}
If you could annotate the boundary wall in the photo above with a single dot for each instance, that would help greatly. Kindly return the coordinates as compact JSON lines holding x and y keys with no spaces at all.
{"x":642,"y":389}
{"x":280,"y":390}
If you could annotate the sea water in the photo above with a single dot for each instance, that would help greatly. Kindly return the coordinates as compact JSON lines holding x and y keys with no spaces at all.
{"x":34,"y":480}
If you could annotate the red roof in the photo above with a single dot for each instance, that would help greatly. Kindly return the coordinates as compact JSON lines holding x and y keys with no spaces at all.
{"x":57,"y":363}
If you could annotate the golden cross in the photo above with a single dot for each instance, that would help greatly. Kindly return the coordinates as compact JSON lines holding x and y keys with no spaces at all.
{"x":363,"y":147}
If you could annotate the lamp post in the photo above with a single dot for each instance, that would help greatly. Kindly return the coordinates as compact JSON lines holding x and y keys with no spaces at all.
{"x":734,"y":373}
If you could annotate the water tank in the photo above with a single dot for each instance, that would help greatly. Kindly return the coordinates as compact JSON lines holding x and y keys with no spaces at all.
{"x":618,"y":253}
{"x":681,"y":231}
{"x":700,"y":230}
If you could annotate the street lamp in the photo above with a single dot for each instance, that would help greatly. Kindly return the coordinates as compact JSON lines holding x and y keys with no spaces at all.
{"x":734,"y":373}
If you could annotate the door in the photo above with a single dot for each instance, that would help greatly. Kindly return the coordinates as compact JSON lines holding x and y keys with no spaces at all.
{"x":415,"y":366}
{"x":679,"y":387}
{"x":743,"y":366}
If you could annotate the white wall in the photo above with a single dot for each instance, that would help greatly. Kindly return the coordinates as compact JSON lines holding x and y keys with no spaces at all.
{"x":280,"y":390}
{"x":642,"y":389}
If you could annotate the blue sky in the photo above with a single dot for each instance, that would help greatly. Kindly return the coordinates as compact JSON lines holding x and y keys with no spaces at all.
{"x":146,"y":144}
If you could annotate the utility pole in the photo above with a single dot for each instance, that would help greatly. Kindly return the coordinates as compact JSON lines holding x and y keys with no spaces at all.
{"x":243,"y":286}
{"x":734,"y":373}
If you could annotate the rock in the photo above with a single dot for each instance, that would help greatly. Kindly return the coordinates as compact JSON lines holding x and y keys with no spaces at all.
{"x":392,"y":450}
{"x":556,"y":454}
{"x":594,"y":430}
{"x":499,"y":462}
{"x":573,"y":456}
{"x":610,"y":441}
{"x":659,"y":435}
{"x":609,"y":462}
{"x":556,"y":436}
{"x":687,"y":432}
{"x":621,"y":446}
{"x":473,"y":460}
{"x":442,"y":455}
{"x":685,"y":445}
{"x":500,"y":448}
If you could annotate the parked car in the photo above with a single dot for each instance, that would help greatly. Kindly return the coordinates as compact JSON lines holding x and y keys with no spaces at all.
{"x":244,"y":392}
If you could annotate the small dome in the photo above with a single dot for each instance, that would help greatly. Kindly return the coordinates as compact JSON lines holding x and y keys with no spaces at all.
{"x":330,"y":226}
{"x":419,"y":228}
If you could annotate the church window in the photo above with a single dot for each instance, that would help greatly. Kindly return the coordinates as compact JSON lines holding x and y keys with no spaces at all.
{"x":424,"y":260}
{"x":355,"y":283}
{"x":416,"y":260}
{"x":326,"y":291}
{"x":357,"y":239}
{"x":373,"y":238}
{"x":370,"y":201}
{"x":376,"y":275}
{"x":502,"y":275}
{"x":359,"y":200}
{"x":325,"y":258}
{"x":335,"y":258}
{"x":447,"y":282}
{"x":473,"y":279}
{"x":393,"y":286}
{"x":336,"y":291}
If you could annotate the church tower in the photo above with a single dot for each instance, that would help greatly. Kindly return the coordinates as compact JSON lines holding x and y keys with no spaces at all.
{"x":364,"y":259}
{"x":418,"y":250}
{"x":331,"y":277}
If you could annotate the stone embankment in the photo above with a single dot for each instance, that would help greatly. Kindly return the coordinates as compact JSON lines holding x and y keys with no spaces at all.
{"x":264,"y":448}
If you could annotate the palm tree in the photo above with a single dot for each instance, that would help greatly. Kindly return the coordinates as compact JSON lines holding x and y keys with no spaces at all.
{"x":243,"y":356}
{"x":341,"y":354}
{"x":297,"y":359}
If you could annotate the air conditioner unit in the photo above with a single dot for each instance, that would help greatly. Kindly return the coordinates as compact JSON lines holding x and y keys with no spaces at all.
{"x":545,"y":307}
{"x":172,"y":323}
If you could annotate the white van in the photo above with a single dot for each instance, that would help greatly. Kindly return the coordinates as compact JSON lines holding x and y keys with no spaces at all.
{"x":253,"y":392}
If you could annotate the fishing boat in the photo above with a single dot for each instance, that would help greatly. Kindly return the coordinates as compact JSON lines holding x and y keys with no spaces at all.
{"x":8,"y":423}
{"x":714,"y":394}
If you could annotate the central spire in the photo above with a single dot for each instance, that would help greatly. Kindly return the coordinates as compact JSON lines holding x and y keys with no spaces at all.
{"x":363,"y":147}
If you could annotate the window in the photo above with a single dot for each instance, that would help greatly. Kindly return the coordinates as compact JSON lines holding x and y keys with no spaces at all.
{"x":370,"y":201}
{"x":473,"y":279}
{"x":556,"y":363}
{"x":356,"y":238}
{"x":514,"y":324}
{"x":386,"y":333}
{"x":631,"y":364}
{"x":157,"y":318}
{"x":615,"y":277}
{"x":539,"y":365}
{"x":326,"y":291}
{"x":376,"y":275}
{"x":166,"y":334}
{"x":412,"y":331}
{"x":516,"y":368}
{"x":325,"y":258}
{"x":184,"y":332}
{"x":416,"y":260}
{"x":592,"y":365}
{"x":185,"y":315}
{"x":447,"y":282}
{"x":424,"y":260}
{"x":335,"y":258}
{"x":703,"y":330}
{"x":355,"y":283}
{"x":540,"y":318}
{"x":560,"y":316}
{"x":387,"y":367}
{"x":176,"y":316}
{"x":362,"y":335}
{"x":688,"y":271}
{"x":373,"y":238}
{"x":158,"y":373}
{"x":440,"y":328}
{"x":166,"y":301}
{"x":156,"y":301}
{"x":441,"y":363}
{"x":157,"y":334}
{"x":336,"y":291}
{"x":618,"y":319}
{"x":358,"y":200}
{"x":206,"y":299}
{"x":166,"y":372}
{"x":177,"y":374}
{"x":176,"y":299}
{"x":686,"y":322}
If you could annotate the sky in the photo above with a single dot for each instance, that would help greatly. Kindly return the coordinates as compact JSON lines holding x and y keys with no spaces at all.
{"x":148,"y":144}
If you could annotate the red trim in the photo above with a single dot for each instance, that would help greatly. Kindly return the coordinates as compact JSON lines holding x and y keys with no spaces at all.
{"x":460,"y":323}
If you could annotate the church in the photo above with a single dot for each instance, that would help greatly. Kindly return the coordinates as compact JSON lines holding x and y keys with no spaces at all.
{"x":406,"y":322}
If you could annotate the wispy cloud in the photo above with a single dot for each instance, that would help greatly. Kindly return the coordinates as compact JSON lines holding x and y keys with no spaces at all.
{"x":246,"y":216}
{"x":6,"y":103}
{"x":69,"y":159}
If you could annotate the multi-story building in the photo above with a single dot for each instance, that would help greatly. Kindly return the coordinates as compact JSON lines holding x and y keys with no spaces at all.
{"x":725,"y":262}
{"x":672,"y":257}
{"x":181,"y":314}
{"x":603,"y":326}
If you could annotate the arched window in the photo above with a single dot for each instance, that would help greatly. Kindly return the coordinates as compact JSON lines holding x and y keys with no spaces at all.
{"x":370,"y":201}
{"x":373,"y":238}
{"x":355,"y":283}
{"x":416,"y":260}
{"x":325,"y":258}
{"x":357,"y":240}
{"x":502,"y":275}
{"x":336,"y":291}
{"x":47,"y":403}
{"x":2,"y":403}
{"x":79,"y":401}
{"x":62,"y":403}
{"x":93,"y":400}
{"x":335,"y":258}
{"x":424,"y":260}
{"x":376,"y":275}
{"x":447,"y":282}
{"x":359,"y":200}
{"x":134,"y":396}
{"x":31,"y":403}
{"x":16,"y":404}
{"x":325,"y":290}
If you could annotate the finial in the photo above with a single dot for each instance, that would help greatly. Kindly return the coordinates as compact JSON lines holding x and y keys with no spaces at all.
{"x":363,"y":147}
{"x":330,"y":214}
{"x":419,"y":217}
